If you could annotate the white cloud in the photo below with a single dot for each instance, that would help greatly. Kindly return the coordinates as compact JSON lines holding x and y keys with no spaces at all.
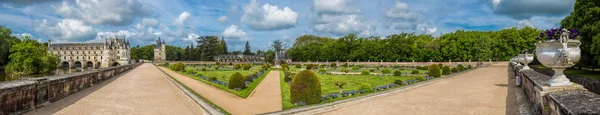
{"x":525,"y":9}
{"x":191,"y":37}
{"x":334,"y":6}
{"x":235,"y":33}
{"x":495,"y":3}
{"x":268,"y":17}
{"x":23,"y":35}
{"x":111,"y":12}
{"x":181,"y":18}
{"x":149,"y":22}
{"x":70,"y":30}
{"x":222,"y":19}
{"x":400,"y":11}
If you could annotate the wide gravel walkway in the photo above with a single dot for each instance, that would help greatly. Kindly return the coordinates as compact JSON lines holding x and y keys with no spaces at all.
{"x":266,"y":97}
{"x":484,"y":91}
{"x":142,"y":91}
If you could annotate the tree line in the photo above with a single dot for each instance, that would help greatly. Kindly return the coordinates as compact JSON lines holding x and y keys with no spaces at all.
{"x":460,"y":45}
{"x":25,"y":56}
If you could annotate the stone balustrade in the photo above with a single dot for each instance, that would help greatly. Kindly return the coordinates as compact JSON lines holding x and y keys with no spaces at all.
{"x":561,"y":100}
{"x":20,"y":96}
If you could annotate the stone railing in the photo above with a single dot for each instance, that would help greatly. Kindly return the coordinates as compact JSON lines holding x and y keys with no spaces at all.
{"x":474,"y":63}
{"x":589,"y":84}
{"x":20,"y":96}
{"x":560,"y":100}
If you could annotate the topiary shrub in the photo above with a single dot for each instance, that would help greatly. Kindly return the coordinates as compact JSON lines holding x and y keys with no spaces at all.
{"x":212,"y":78}
{"x":421,"y":78}
{"x":322,"y":70}
{"x":398,"y":82}
{"x":249,"y":77}
{"x":237,"y":66}
{"x":386,"y":71}
{"x":345,"y":65}
{"x":345,"y":70}
{"x":469,"y":67}
{"x":366,"y":88}
{"x":247,"y":66}
{"x":434,"y":70}
{"x":203,"y":69}
{"x":355,"y":68}
{"x":441,"y":65}
{"x":446,"y":70}
{"x":178,"y":67}
{"x":218,"y":63}
{"x":189,"y":71}
{"x":415,"y":72}
{"x":166,"y":64}
{"x":460,"y":67}
{"x":397,"y":73}
{"x":333,"y":65}
{"x":305,"y":88}
{"x":454,"y":70}
{"x":198,"y":74}
{"x":236,"y":81}
{"x":372,"y":70}
{"x":365,"y":72}
{"x":298,"y":66}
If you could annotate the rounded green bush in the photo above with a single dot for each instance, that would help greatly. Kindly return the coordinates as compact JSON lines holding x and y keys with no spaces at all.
{"x":189,"y":71}
{"x":469,"y":67}
{"x":322,"y":70}
{"x":247,"y":66}
{"x":355,"y":68}
{"x":441,"y":65}
{"x":365,"y":72}
{"x":460,"y":67}
{"x":421,"y":78}
{"x":366,"y":87}
{"x":166,"y":64}
{"x":397,"y":73}
{"x":178,"y":67}
{"x":237,"y":66}
{"x":415,"y":72}
{"x":454,"y":70}
{"x":212,"y":78}
{"x":203,"y":69}
{"x":333,"y":65}
{"x":236,"y":81}
{"x":298,"y":66}
{"x":345,"y":70}
{"x":398,"y":82}
{"x":386,"y":71}
{"x":305,"y":87}
{"x":198,"y":74}
{"x":434,"y":70}
{"x":249,"y":77}
{"x":446,"y":70}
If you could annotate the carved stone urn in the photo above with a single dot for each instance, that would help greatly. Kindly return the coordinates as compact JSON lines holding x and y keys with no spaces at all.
{"x":559,"y":54}
{"x":515,"y":60}
{"x":525,"y":59}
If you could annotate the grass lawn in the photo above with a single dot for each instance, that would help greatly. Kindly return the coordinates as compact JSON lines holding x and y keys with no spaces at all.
{"x":569,"y":71}
{"x":353,"y":83}
{"x":242,"y":93}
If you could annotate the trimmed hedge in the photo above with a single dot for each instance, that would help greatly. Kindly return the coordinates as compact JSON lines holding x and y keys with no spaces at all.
{"x":365,"y":72}
{"x":178,"y":67}
{"x":198,"y":74}
{"x":415,"y":72}
{"x":446,"y":70}
{"x":454,"y":70}
{"x":366,"y":88}
{"x":322,"y":70}
{"x":386,"y":71}
{"x":298,"y":66}
{"x":398,"y":82}
{"x":469,"y":67}
{"x":434,"y":70}
{"x":421,"y":78}
{"x":247,"y":66}
{"x":397,"y":73}
{"x":333,"y":65}
{"x":236,"y":81}
{"x":460,"y":67}
{"x":237,"y":66}
{"x":305,"y":88}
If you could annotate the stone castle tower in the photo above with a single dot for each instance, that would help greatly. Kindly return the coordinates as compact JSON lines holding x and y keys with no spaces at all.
{"x":160,"y":51}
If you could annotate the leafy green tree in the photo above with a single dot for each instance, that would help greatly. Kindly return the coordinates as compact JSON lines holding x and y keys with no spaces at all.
{"x":6,"y":42}
{"x":584,"y":18}
{"x":269,"y":56}
{"x":247,"y":50}
{"x":236,"y":81}
{"x":305,"y":87}
{"x":446,"y":70}
{"x":434,"y":70}
{"x":30,"y":57}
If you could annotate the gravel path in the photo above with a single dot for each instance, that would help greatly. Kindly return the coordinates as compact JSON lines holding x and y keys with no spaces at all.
{"x":266,"y":97}
{"x":480,"y":92}
{"x":143,"y":91}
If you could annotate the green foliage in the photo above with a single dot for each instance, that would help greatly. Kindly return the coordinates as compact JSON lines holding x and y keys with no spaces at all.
{"x":340,"y":84}
{"x":178,"y":67}
{"x":203,"y":69}
{"x":333,"y":65}
{"x":415,"y":72}
{"x":236,"y":81}
{"x":469,"y":66}
{"x":212,"y":78}
{"x":247,"y":66}
{"x":6,"y":42}
{"x":397,"y":73}
{"x":371,"y":70}
{"x":345,"y":65}
{"x":305,"y":87}
{"x":441,"y":65}
{"x":420,"y":78}
{"x":365,"y":72}
{"x":345,"y":70}
{"x":298,"y":65}
{"x":454,"y":70}
{"x":422,"y":68}
{"x":460,"y":67}
{"x":288,"y":76}
{"x":366,"y":87}
{"x":198,"y":74}
{"x":30,"y":57}
{"x":166,"y":64}
{"x":285,"y":67}
{"x":237,"y":66}
{"x":386,"y":71}
{"x":189,"y":71}
{"x":446,"y":70}
{"x":398,"y":82}
{"x":355,"y":68}
{"x":322,"y":70}
{"x":584,"y":18}
{"x":434,"y":70}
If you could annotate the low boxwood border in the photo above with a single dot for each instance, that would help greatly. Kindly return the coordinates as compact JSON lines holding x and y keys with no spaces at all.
{"x":243,"y":93}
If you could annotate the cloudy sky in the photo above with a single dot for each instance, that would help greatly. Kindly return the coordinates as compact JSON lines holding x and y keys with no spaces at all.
{"x":260,"y":22}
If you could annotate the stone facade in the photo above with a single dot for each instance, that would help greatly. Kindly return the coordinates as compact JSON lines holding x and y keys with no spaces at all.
{"x":160,"y":51}
{"x":240,"y":58}
{"x":113,"y":52}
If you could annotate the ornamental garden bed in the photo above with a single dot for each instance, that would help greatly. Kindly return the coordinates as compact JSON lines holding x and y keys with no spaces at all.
{"x":219,"y":78}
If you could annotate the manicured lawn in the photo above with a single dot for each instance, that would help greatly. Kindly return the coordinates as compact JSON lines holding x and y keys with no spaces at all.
{"x":584,"y":73}
{"x":327,"y":85}
{"x":242,"y":93}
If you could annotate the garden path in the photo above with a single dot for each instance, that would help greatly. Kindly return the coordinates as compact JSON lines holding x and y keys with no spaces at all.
{"x":266,"y":97}
{"x":482,"y":91}
{"x":143,"y":90}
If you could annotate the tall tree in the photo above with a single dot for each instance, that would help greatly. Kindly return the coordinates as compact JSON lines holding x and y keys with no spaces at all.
{"x":223,"y":46}
{"x":6,"y":42}
{"x":277,"y":46}
{"x":247,"y":50}
{"x":585,"y":19}
{"x":208,"y":47}
{"x":30,"y":57}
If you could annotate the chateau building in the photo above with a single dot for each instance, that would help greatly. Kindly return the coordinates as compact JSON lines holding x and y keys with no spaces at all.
{"x":160,"y":51}
{"x":113,"y":52}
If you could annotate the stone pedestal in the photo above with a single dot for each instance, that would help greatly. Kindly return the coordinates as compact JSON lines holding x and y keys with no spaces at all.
{"x":545,"y":89}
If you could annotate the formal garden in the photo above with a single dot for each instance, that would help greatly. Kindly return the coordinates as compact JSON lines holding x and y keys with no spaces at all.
{"x":314,"y":84}
{"x":238,"y":79}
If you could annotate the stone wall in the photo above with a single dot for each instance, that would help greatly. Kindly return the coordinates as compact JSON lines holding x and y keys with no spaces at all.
{"x":562,"y":100}
{"x":20,"y":96}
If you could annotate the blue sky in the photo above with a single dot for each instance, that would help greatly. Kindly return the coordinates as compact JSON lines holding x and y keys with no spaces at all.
{"x":260,"y":22}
